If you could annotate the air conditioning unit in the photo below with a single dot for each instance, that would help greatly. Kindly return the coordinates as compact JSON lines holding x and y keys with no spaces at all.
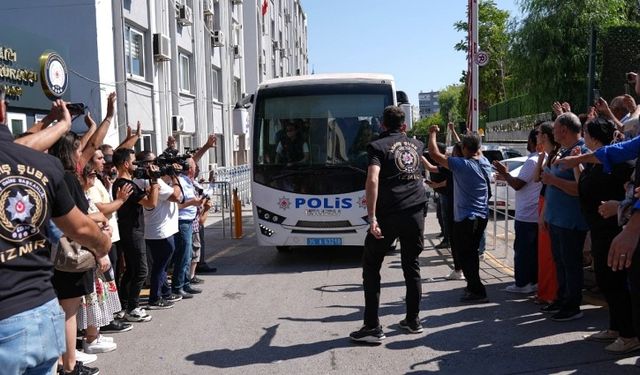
{"x":185,"y":16}
{"x":161,"y":47}
{"x":236,"y":52}
{"x":177,"y":123}
{"x":217,"y":38}
{"x":276,"y":44}
{"x":236,"y":2}
{"x":298,"y":72}
{"x":207,"y":7}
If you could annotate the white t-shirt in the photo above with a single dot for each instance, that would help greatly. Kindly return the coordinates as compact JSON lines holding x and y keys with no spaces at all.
{"x":527,"y":197}
{"x":99,"y":194}
{"x":160,"y":222}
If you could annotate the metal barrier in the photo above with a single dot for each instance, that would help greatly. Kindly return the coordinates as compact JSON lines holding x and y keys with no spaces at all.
{"x":225,"y":180}
{"x":504,"y":227}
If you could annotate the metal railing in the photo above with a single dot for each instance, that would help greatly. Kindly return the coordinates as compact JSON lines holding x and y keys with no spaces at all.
{"x":238,"y":177}
{"x":502,"y":227}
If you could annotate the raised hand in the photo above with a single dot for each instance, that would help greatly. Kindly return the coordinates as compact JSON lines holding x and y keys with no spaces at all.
{"x":88,"y":120}
{"x":139,"y":130}
{"x":124,"y":192}
{"x":111,"y":105}
{"x":557,"y":108}
{"x":566,"y":107}
{"x":211,"y":141}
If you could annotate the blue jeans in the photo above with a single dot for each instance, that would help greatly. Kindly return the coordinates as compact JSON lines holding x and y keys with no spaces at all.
{"x":566,"y":246}
{"x":32,"y":341}
{"x":160,"y":252}
{"x":182,"y":255}
{"x":525,"y":248}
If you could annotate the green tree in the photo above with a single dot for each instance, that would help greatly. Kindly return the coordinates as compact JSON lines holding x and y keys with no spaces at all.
{"x":550,"y":47}
{"x":493,"y":38}
{"x":448,"y":99}
{"x":421,"y":127}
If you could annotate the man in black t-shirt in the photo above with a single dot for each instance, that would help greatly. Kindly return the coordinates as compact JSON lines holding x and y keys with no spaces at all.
{"x":32,"y":191}
{"x":131,"y":227}
{"x":396,"y":198}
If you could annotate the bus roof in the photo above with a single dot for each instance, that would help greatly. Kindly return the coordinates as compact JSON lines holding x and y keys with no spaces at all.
{"x":327,"y":78}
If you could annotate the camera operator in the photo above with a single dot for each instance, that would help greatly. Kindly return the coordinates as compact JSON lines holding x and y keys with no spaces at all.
{"x":181,"y":283}
{"x":131,"y":227}
{"x":161,"y":223}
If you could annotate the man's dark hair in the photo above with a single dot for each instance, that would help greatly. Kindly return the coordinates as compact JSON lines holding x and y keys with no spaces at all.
{"x":601,"y":129}
{"x":570,"y":121}
{"x":472,"y":142}
{"x":121,"y":155}
{"x":532,"y":140}
{"x":144,"y":156}
{"x":393,"y":117}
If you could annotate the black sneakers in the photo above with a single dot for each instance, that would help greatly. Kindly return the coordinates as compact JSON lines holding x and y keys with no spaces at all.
{"x":551,"y":308}
{"x":469,"y":297}
{"x":369,"y":335}
{"x":413,"y":327}
{"x":192,"y":290}
{"x":116,"y":326}
{"x":196,"y":280}
{"x":161,"y":304}
{"x":79,"y":369}
{"x":566,"y":315}
{"x":173,"y":297}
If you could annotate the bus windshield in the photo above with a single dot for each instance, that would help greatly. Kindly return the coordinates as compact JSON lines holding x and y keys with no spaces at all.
{"x":313,"y":139}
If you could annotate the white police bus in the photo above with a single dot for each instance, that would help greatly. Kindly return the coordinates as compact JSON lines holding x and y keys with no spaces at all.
{"x":309,"y":161}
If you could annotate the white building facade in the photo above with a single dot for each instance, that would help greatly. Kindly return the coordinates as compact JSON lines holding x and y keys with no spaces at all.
{"x":177,"y":66}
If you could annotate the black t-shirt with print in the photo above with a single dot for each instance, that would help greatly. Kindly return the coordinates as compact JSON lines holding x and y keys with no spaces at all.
{"x":400,"y":183}
{"x":32,"y":190}
{"x":130,"y":214}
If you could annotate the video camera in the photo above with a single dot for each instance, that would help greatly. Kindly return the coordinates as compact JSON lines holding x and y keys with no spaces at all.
{"x":165,"y":163}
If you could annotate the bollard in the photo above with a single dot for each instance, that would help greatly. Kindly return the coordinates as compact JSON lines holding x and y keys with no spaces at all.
{"x":237,"y":215}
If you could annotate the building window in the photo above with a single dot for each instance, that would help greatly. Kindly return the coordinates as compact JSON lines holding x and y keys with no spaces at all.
{"x":215,"y":84}
{"x":134,"y":51}
{"x":186,"y":143}
{"x":144,"y":143}
{"x":185,"y":78}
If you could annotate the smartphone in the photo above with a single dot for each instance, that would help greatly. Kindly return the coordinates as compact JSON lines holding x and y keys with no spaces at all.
{"x":76,"y":109}
{"x":596,"y":95}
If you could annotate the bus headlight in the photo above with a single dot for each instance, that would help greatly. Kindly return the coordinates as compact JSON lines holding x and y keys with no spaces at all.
{"x":270,"y":216}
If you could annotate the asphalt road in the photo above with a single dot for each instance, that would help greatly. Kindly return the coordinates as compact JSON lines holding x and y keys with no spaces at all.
{"x":270,"y":313}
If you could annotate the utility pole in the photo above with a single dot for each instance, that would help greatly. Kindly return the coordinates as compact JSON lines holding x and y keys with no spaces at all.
{"x":473,"y":76}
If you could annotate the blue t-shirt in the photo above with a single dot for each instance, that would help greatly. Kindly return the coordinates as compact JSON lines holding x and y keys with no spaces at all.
{"x":188,"y":192}
{"x":561,"y":209}
{"x":470,"y":187}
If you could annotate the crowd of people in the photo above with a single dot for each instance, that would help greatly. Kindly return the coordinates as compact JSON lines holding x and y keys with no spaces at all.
{"x":132,"y":217}
{"x":576,"y":190}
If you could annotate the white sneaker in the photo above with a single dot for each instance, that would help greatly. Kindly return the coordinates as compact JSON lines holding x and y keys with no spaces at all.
{"x":455,"y":275}
{"x":105,"y":338}
{"x":529,"y":288}
{"x":137,"y":315}
{"x":98,"y":346}
{"x":85,"y":358}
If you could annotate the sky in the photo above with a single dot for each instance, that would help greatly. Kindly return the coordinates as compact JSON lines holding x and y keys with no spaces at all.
{"x":413,"y":40}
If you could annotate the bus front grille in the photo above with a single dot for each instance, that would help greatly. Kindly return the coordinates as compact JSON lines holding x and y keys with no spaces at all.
{"x":323,"y":224}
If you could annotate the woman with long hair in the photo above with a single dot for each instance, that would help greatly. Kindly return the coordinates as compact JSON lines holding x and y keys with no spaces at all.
{"x":71,"y":286}
{"x":547,"y":278}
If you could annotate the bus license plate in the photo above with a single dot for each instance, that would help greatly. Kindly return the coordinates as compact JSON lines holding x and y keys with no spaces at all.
{"x":324,"y":241}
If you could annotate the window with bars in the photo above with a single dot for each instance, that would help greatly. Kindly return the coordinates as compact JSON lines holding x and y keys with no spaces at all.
{"x":134,"y":51}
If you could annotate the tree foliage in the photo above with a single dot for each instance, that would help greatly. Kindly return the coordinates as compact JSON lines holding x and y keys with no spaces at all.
{"x":550,"y":48}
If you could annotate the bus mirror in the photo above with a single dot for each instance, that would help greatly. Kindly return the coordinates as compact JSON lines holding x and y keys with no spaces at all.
{"x":402,"y":97}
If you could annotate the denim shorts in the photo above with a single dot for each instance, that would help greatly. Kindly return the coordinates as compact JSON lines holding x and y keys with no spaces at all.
{"x":32,"y":341}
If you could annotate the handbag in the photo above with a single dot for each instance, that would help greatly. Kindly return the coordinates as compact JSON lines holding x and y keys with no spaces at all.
{"x":70,"y":256}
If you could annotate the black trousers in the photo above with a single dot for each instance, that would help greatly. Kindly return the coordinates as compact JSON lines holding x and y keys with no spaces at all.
{"x":614,"y":285}
{"x":134,"y":250}
{"x":634,"y":287}
{"x":408,"y":225}
{"x":467,"y":234}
